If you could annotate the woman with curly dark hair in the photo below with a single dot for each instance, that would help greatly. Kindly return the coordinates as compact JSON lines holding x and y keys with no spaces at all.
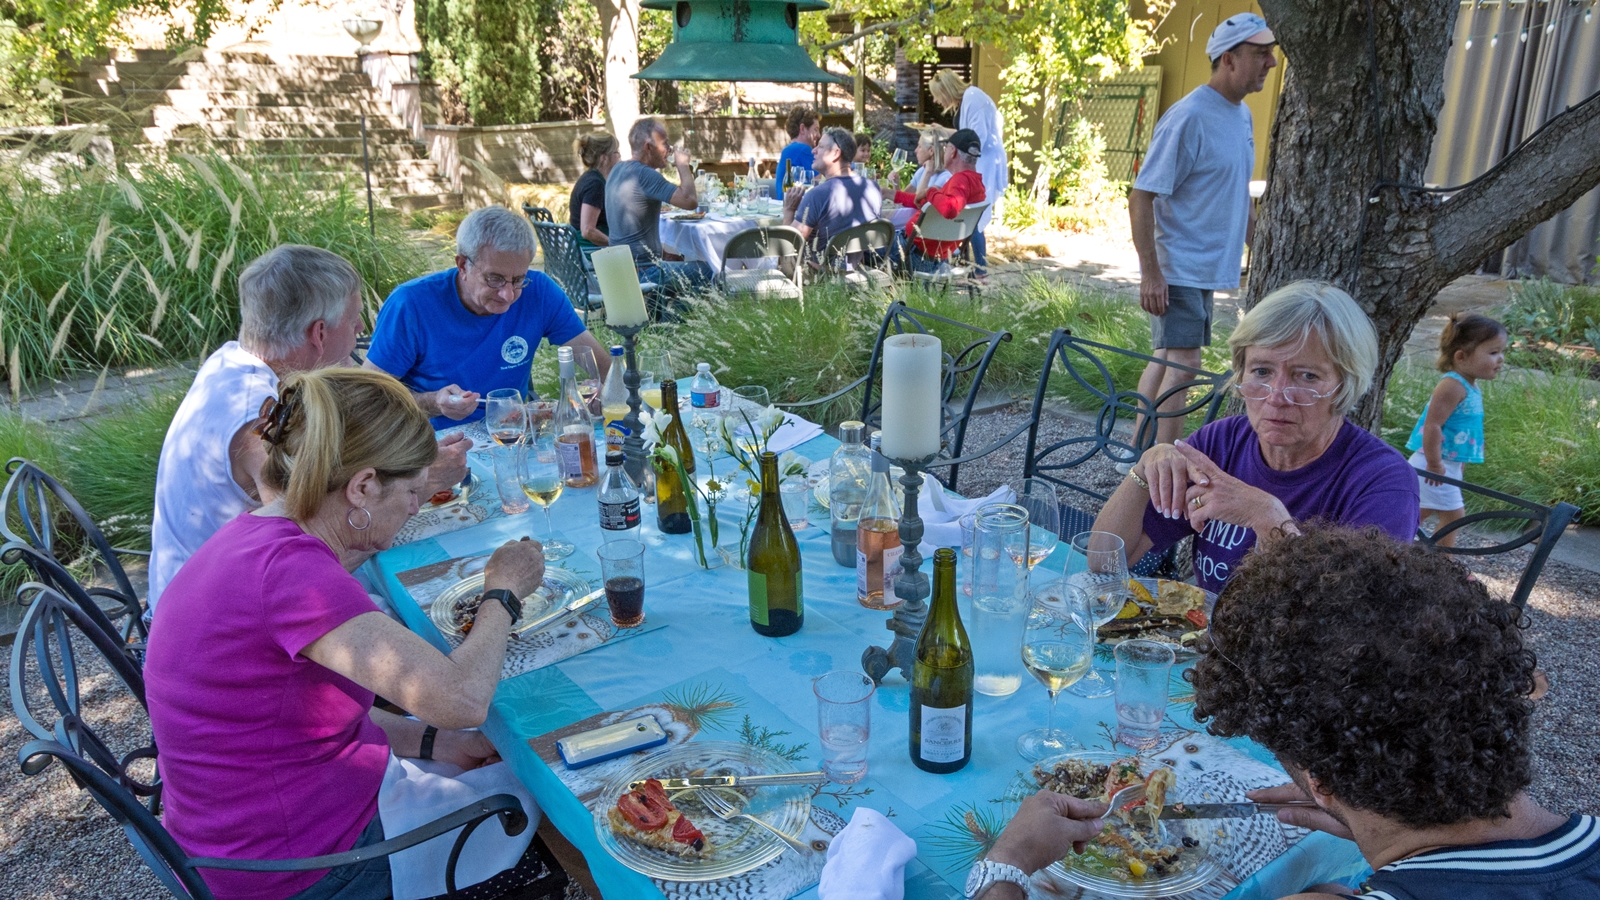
{"x":1394,"y":691}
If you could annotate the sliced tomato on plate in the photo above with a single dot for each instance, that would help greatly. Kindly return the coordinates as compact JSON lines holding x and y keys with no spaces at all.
{"x":1196,"y":617}
{"x":684,"y":832}
{"x":441,"y":497}
{"x":642,"y":811}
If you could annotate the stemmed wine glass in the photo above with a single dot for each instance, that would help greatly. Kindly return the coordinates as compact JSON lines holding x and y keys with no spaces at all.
{"x":1057,"y":649}
{"x":588,"y":377}
{"x":1098,"y":564}
{"x":542,"y":481}
{"x":654,"y":366}
{"x":503,"y":415}
{"x":1038,"y":497}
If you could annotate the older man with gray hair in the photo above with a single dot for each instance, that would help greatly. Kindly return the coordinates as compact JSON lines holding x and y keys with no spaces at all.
{"x":455,"y":335}
{"x":635,"y":191}
{"x":299,"y":309}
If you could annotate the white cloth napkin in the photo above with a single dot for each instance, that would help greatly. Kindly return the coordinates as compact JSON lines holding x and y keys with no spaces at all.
{"x":942,"y":528}
{"x":867,"y":860}
{"x":792,"y":433}
{"x":415,"y":792}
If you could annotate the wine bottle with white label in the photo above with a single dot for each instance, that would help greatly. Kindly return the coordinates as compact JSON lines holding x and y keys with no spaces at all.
{"x":941,"y":679}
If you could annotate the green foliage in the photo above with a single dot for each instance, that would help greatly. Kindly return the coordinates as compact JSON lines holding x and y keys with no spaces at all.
{"x":110,"y":466}
{"x":1541,"y":432}
{"x":99,"y":269}
{"x":1542,"y":311}
{"x":485,"y":54}
{"x":40,"y":38}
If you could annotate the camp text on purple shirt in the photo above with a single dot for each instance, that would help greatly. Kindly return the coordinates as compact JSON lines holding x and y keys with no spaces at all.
{"x":1359,"y":480}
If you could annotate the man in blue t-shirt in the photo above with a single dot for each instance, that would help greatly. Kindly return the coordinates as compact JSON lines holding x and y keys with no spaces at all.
{"x":805,"y":129}
{"x":455,"y":335}
{"x":1398,"y":694}
{"x":843,"y":201}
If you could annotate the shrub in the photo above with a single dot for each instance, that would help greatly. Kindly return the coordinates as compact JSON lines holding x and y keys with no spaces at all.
{"x":99,"y":269}
{"x":1542,"y":311}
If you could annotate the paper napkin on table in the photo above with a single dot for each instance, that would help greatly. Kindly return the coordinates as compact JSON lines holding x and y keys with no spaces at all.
{"x":792,"y":433}
{"x":867,"y":860}
{"x":942,"y":528}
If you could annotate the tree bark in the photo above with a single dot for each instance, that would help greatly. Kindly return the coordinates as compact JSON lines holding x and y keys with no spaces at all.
{"x":1343,"y":143}
{"x":619,"y":29}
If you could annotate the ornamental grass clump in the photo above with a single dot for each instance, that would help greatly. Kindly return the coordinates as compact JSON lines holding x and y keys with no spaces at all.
{"x":139,"y":267}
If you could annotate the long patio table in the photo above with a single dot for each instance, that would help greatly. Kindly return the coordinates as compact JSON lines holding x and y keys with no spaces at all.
{"x":706,"y":675}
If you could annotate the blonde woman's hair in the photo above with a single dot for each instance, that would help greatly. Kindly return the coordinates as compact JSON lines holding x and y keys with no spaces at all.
{"x":340,"y":422}
{"x":1293,"y":313}
{"x":594,"y":146}
{"x":933,"y":134}
{"x":947,"y":88}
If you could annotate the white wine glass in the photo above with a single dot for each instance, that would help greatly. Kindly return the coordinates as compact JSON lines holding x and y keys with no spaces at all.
{"x":543,"y":482}
{"x":503,"y":416}
{"x":1098,"y":564}
{"x":1039,"y":498}
{"x":654,"y":367}
{"x":588,"y":377}
{"x":1057,"y":649}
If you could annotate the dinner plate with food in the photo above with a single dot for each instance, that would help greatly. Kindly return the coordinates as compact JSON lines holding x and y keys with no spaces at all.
{"x":455,"y":495}
{"x":672,"y":835}
{"x":689,"y":216}
{"x":1139,"y":854}
{"x":1160,"y":609}
{"x":453,"y":609}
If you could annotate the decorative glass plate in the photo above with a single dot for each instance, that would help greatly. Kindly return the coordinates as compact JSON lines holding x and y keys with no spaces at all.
{"x":1197,"y":867}
{"x":560,"y":585}
{"x":1169,"y":634}
{"x":733,"y":846}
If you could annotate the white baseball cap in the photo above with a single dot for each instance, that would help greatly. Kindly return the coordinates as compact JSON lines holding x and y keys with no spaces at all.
{"x":1243,"y":28}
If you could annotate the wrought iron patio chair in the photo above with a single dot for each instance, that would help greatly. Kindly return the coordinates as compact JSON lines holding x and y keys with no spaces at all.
{"x":781,"y":244}
{"x":964,"y":368}
{"x":1537,"y":524}
{"x":33,"y":509}
{"x":44,"y":638}
{"x":103,"y":606}
{"x":538,"y":213}
{"x":179,"y":873}
{"x":1091,"y":381}
{"x":858,"y":257}
{"x":565,"y":263}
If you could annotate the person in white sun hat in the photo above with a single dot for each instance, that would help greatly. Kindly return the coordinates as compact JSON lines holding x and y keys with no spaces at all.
{"x":1190,"y":206}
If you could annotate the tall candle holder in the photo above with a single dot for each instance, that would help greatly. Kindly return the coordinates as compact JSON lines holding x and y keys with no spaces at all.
{"x":911,"y":587}
{"x":633,"y":444}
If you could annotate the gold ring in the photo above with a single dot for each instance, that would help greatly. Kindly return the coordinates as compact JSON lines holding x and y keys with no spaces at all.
{"x":1197,"y":502}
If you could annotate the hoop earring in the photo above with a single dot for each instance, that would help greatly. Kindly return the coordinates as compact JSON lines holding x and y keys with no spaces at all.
{"x":365,"y":525}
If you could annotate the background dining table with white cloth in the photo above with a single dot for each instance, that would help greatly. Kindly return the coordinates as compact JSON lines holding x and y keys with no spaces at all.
{"x":704,"y":240}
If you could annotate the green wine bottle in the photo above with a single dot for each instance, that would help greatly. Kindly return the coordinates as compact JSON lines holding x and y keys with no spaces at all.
{"x":672,"y":504}
{"x":941,"y":679}
{"x":773,"y":566}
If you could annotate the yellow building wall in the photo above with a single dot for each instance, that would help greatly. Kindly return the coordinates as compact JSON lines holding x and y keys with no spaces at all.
{"x":1184,"y":65}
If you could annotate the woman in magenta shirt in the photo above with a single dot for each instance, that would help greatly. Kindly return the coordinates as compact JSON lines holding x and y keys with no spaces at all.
{"x":1302,"y":359}
{"x":265,"y":653}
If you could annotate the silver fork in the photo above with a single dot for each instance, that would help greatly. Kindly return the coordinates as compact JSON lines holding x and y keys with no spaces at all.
{"x":724,"y":809}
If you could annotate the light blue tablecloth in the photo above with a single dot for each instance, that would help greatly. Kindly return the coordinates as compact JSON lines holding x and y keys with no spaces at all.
{"x":719,"y":680}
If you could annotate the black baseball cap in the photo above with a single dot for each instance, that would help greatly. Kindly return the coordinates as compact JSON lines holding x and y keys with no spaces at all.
{"x":966,"y":140}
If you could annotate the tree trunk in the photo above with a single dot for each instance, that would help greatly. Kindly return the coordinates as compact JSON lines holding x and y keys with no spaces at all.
{"x":1344,"y":145}
{"x":619,"y":29}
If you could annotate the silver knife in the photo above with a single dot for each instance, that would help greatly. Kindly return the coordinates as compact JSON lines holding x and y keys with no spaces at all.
{"x":562,"y":611}
{"x":1228,"y":810}
{"x":729,"y":781}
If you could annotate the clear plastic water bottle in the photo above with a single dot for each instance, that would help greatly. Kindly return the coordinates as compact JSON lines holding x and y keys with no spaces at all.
{"x":614,"y":400}
{"x":848,"y":476}
{"x":704,"y":392}
{"x":619,"y":501}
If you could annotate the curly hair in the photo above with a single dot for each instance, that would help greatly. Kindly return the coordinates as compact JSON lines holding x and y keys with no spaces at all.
{"x":1380,"y":668}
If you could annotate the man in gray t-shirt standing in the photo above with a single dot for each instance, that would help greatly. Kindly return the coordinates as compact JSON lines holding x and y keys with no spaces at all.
{"x":1190,"y":206}
{"x":634,"y":194}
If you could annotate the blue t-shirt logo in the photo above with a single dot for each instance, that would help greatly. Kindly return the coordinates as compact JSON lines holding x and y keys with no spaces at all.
{"x":514,"y":350}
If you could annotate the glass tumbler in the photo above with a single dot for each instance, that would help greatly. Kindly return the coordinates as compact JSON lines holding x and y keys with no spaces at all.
{"x":1144,"y":674}
{"x":795,"y":493}
{"x":844,"y":721}
{"x":508,"y":479}
{"x":999,"y":597}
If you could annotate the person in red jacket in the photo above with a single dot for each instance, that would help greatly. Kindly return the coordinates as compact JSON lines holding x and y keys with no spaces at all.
{"x":965,"y":187}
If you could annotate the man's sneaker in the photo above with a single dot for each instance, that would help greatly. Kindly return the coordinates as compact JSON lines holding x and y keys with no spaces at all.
{"x":1124,"y":468}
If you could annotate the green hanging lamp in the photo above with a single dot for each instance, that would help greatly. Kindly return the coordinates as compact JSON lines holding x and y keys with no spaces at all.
{"x":735,"y":40}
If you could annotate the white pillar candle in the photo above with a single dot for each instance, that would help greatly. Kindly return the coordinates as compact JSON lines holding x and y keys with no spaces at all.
{"x":913,"y":365}
{"x":619,"y":286}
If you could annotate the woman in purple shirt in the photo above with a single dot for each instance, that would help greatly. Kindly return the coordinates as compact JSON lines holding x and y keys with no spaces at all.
{"x":265,"y":652}
{"x":1302,"y":359}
